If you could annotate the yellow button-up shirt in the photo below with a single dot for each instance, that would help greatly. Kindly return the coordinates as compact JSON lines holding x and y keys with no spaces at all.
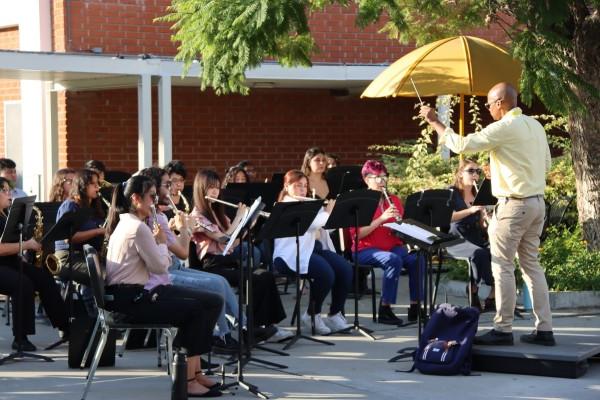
{"x":519,"y":153}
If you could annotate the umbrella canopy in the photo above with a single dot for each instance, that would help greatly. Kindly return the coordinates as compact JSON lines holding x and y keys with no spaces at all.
{"x":458,"y":65}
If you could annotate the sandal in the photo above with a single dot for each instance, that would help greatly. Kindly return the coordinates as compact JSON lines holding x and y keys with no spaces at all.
{"x":210,"y":393}
{"x":214,"y":386}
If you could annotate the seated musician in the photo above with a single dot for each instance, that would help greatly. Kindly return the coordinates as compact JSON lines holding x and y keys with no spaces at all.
{"x":267,"y":308}
{"x":180,"y":275}
{"x":235,"y":174}
{"x":327,"y":271}
{"x":33,"y":280}
{"x":177,"y":175}
{"x":314,"y":166}
{"x":61,"y":185}
{"x":469,"y":221}
{"x":84,"y":194}
{"x":134,"y":253}
{"x":377,"y":245}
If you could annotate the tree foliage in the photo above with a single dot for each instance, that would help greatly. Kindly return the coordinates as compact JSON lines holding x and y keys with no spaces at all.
{"x":229,"y":37}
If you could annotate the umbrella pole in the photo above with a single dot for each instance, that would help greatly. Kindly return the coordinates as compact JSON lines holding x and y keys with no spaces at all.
{"x":461,"y":121}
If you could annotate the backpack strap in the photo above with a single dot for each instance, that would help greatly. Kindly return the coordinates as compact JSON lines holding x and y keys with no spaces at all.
{"x":406,"y":353}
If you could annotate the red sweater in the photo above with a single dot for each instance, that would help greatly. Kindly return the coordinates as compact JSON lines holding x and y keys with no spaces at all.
{"x":381,"y":237}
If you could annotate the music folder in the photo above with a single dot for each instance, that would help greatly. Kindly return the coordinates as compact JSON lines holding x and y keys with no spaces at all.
{"x":484,"y":195}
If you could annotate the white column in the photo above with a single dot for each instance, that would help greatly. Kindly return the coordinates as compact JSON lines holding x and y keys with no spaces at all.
{"x":144,"y":121}
{"x":165,"y":123}
{"x":35,"y":34}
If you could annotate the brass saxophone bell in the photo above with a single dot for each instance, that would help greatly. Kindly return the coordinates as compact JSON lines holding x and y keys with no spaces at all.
{"x":53,"y":264}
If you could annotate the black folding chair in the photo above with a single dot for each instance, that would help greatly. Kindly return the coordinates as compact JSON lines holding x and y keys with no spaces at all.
{"x":108,"y":320}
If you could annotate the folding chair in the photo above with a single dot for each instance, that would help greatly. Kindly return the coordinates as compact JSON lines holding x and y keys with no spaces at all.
{"x":108,"y":320}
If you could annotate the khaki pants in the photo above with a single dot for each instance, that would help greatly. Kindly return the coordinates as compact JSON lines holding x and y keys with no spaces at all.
{"x":515,"y":229}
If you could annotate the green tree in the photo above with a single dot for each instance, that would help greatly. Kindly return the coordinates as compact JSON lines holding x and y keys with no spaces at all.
{"x":556,"y":41}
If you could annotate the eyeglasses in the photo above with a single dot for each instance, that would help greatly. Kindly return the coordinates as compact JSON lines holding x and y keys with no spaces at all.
{"x":488,"y":105}
{"x":378,"y":178}
{"x":68,"y":180}
{"x":472,"y":171}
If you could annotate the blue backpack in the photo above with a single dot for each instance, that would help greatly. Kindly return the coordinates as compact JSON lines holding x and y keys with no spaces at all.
{"x":447,"y":340}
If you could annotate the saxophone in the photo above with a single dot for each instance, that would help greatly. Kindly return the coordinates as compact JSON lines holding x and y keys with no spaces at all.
{"x":50,"y":262}
{"x":38,"y":233}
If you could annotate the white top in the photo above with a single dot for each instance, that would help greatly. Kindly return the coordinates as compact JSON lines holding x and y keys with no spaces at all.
{"x":133,"y":253}
{"x":285,"y":248}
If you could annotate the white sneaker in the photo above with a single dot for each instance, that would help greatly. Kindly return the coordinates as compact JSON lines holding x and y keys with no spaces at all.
{"x":280,"y":335}
{"x":337,"y":322}
{"x":320,"y":327}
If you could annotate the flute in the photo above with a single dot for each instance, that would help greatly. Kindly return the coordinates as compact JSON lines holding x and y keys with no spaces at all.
{"x":309,"y":199}
{"x":262,"y":213}
{"x":154,"y":218}
{"x":197,"y":224}
{"x":390,"y":204}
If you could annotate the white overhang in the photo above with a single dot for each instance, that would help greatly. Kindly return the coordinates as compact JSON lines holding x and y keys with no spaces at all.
{"x":76,"y":71}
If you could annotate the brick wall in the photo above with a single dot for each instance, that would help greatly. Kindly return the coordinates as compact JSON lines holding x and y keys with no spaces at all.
{"x":9,"y":89}
{"x":120,"y":26}
{"x":273,"y":128}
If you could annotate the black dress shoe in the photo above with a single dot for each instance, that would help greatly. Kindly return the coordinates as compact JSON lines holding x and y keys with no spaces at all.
{"x":413,"y":313}
{"x":543,"y":338}
{"x":26,"y":345}
{"x":495,"y":338}
{"x":386,"y":316}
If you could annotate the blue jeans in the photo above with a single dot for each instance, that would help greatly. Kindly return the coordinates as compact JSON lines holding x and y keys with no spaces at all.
{"x":392,"y":262}
{"x":327,"y":271}
{"x":256,"y":254}
{"x":212,"y":283}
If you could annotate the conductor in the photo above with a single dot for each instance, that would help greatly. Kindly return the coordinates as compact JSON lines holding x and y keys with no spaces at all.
{"x":519,"y":161}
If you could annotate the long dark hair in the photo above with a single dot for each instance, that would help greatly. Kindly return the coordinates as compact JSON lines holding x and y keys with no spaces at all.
{"x":82,"y":179}
{"x":309,"y":155}
{"x":121,"y":199}
{"x":215,"y":212}
{"x":232,"y":173}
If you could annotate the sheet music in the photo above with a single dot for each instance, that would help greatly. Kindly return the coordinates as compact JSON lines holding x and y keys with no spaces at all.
{"x":412,"y":231}
{"x":247,"y":214}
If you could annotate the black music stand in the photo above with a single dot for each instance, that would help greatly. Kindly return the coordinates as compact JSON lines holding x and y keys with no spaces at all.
{"x":484,"y":195}
{"x":245,"y":288}
{"x":65,"y":228}
{"x":16,"y":225}
{"x":344,"y":178}
{"x":292,"y":219}
{"x":355,"y":209}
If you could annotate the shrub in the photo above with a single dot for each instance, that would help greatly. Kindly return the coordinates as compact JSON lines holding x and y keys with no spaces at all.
{"x":567,"y":262}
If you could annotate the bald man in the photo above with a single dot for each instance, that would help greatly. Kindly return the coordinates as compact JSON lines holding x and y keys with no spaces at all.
{"x":519,"y":161}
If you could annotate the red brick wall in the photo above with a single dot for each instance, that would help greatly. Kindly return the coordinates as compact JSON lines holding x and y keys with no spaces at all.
{"x":125,"y":26}
{"x":273,"y":128}
{"x":9,"y":89}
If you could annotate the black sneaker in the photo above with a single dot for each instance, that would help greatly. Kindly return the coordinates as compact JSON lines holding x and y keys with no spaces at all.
{"x":543,"y":338}
{"x":225,"y":345}
{"x":26,"y":345}
{"x":413,"y":313}
{"x":495,"y":338}
{"x":261,"y":334}
{"x":386,"y":316}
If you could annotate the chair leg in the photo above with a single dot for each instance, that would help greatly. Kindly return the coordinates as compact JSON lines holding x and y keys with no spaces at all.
{"x":95,"y":361}
{"x":124,"y":343}
{"x":158,"y":347}
{"x":86,"y":354}
{"x":169,"y":343}
{"x":373,"y":295}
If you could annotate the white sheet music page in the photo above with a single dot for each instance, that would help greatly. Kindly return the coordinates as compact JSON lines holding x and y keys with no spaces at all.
{"x":249,"y":212}
{"x":412,"y":231}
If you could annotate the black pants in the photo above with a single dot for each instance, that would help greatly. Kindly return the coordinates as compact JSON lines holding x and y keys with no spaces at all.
{"x":194,"y":313}
{"x":267,"y":307}
{"x":34,"y":280}
{"x":77,"y":270}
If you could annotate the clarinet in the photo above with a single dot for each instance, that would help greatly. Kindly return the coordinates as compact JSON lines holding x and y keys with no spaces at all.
{"x":389,"y":201}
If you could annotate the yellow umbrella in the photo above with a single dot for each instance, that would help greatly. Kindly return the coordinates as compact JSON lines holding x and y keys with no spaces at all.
{"x":463,"y":65}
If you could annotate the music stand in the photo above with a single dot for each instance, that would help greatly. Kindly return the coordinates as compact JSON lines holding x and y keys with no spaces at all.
{"x":344,"y":178}
{"x":65,"y":228}
{"x":355,"y":209}
{"x":292,"y":219}
{"x":245,"y":287}
{"x":484,"y":195}
{"x":16,"y":224}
